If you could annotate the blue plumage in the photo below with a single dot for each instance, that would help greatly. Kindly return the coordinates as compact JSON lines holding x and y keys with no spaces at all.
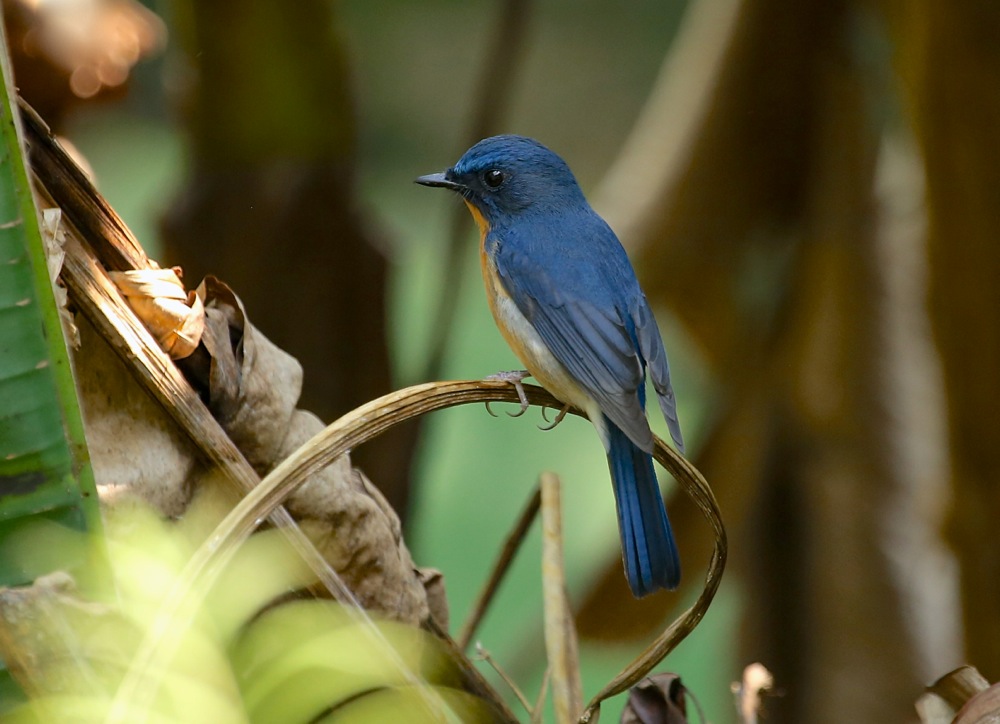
{"x":566,"y":299}
{"x":648,"y":547}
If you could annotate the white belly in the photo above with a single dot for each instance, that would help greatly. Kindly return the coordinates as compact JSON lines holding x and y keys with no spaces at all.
{"x":536,"y":357}
{"x":534,"y":354}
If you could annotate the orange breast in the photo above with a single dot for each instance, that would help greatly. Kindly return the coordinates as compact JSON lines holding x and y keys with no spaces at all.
{"x":481,"y":222}
{"x":496,"y":295}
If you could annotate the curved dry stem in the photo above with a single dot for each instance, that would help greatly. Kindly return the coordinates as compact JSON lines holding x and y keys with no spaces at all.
{"x":354,"y":429}
{"x":209,"y":561}
{"x":371,"y":420}
{"x":694,"y":484}
{"x":379,"y":415}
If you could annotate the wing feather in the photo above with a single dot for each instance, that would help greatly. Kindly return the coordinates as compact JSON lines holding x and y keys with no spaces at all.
{"x":651,"y":347}
{"x":593,"y":340}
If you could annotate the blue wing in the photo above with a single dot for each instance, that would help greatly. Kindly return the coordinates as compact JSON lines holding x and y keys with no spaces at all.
{"x":651,"y":348}
{"x":594,"y":318}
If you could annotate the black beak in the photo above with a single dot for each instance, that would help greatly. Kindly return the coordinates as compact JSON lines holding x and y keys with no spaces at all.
{"x":439,"y":180}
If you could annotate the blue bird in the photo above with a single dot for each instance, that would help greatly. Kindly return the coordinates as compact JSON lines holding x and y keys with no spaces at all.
{"x":567,"y":301}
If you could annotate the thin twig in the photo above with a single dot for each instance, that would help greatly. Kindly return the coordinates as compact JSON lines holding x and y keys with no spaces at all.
{"x":494,"y":89}
{"x":561,"y":647}
{"x":510,"y":547}
{"x":483,"y":654}
{"x":538,"y":710}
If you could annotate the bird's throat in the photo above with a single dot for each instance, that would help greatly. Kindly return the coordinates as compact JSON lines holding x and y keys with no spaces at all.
{"x":477,"y":215}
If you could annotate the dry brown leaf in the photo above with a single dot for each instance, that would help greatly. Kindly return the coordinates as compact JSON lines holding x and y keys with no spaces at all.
{"x":175,"y":316}
{"x":54,"y":237}
{"x":437,"y":601}
{"x":37,"y":622}
{"x":135,"y":448}
{"x":657,"y":699}
{"x":253,"y":389}
{"x":348,"y":520}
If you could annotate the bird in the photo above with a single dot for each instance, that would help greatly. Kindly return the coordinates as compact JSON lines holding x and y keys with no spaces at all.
{"x":566,"y":299}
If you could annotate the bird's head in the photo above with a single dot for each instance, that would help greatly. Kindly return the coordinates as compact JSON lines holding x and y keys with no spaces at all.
{"x":505,"y":176}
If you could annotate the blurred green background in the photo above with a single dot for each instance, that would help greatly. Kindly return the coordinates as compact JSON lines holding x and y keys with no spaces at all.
{"x":808,"y":191}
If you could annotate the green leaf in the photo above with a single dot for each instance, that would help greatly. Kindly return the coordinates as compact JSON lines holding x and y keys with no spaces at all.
{"x":44,"y":466}
{"x":45,"y":470}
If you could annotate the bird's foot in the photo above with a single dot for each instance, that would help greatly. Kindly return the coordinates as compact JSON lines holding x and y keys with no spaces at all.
{"x":514,"y":377}
{"x":559,"y":418}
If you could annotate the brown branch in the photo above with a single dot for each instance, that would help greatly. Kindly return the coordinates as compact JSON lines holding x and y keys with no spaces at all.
{"x":66,"y":183}
{"x":561,"y":646}
{"x":484,"y":655}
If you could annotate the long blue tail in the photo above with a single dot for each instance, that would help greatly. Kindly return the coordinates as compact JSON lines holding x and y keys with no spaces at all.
{"x":648,"y":548}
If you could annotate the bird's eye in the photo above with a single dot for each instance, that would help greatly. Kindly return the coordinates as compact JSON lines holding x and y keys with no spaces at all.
{"x":493,"y":178}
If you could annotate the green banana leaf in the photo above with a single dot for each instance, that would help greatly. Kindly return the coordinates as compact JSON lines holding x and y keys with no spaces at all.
{"x":45,"y":473}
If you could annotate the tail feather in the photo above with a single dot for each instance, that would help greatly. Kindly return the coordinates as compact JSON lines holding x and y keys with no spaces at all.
{"x":648,"y":548}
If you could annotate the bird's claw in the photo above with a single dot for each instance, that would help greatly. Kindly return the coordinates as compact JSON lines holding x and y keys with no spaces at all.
{"x":513,"y":377}
{"x":559,"y":418}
